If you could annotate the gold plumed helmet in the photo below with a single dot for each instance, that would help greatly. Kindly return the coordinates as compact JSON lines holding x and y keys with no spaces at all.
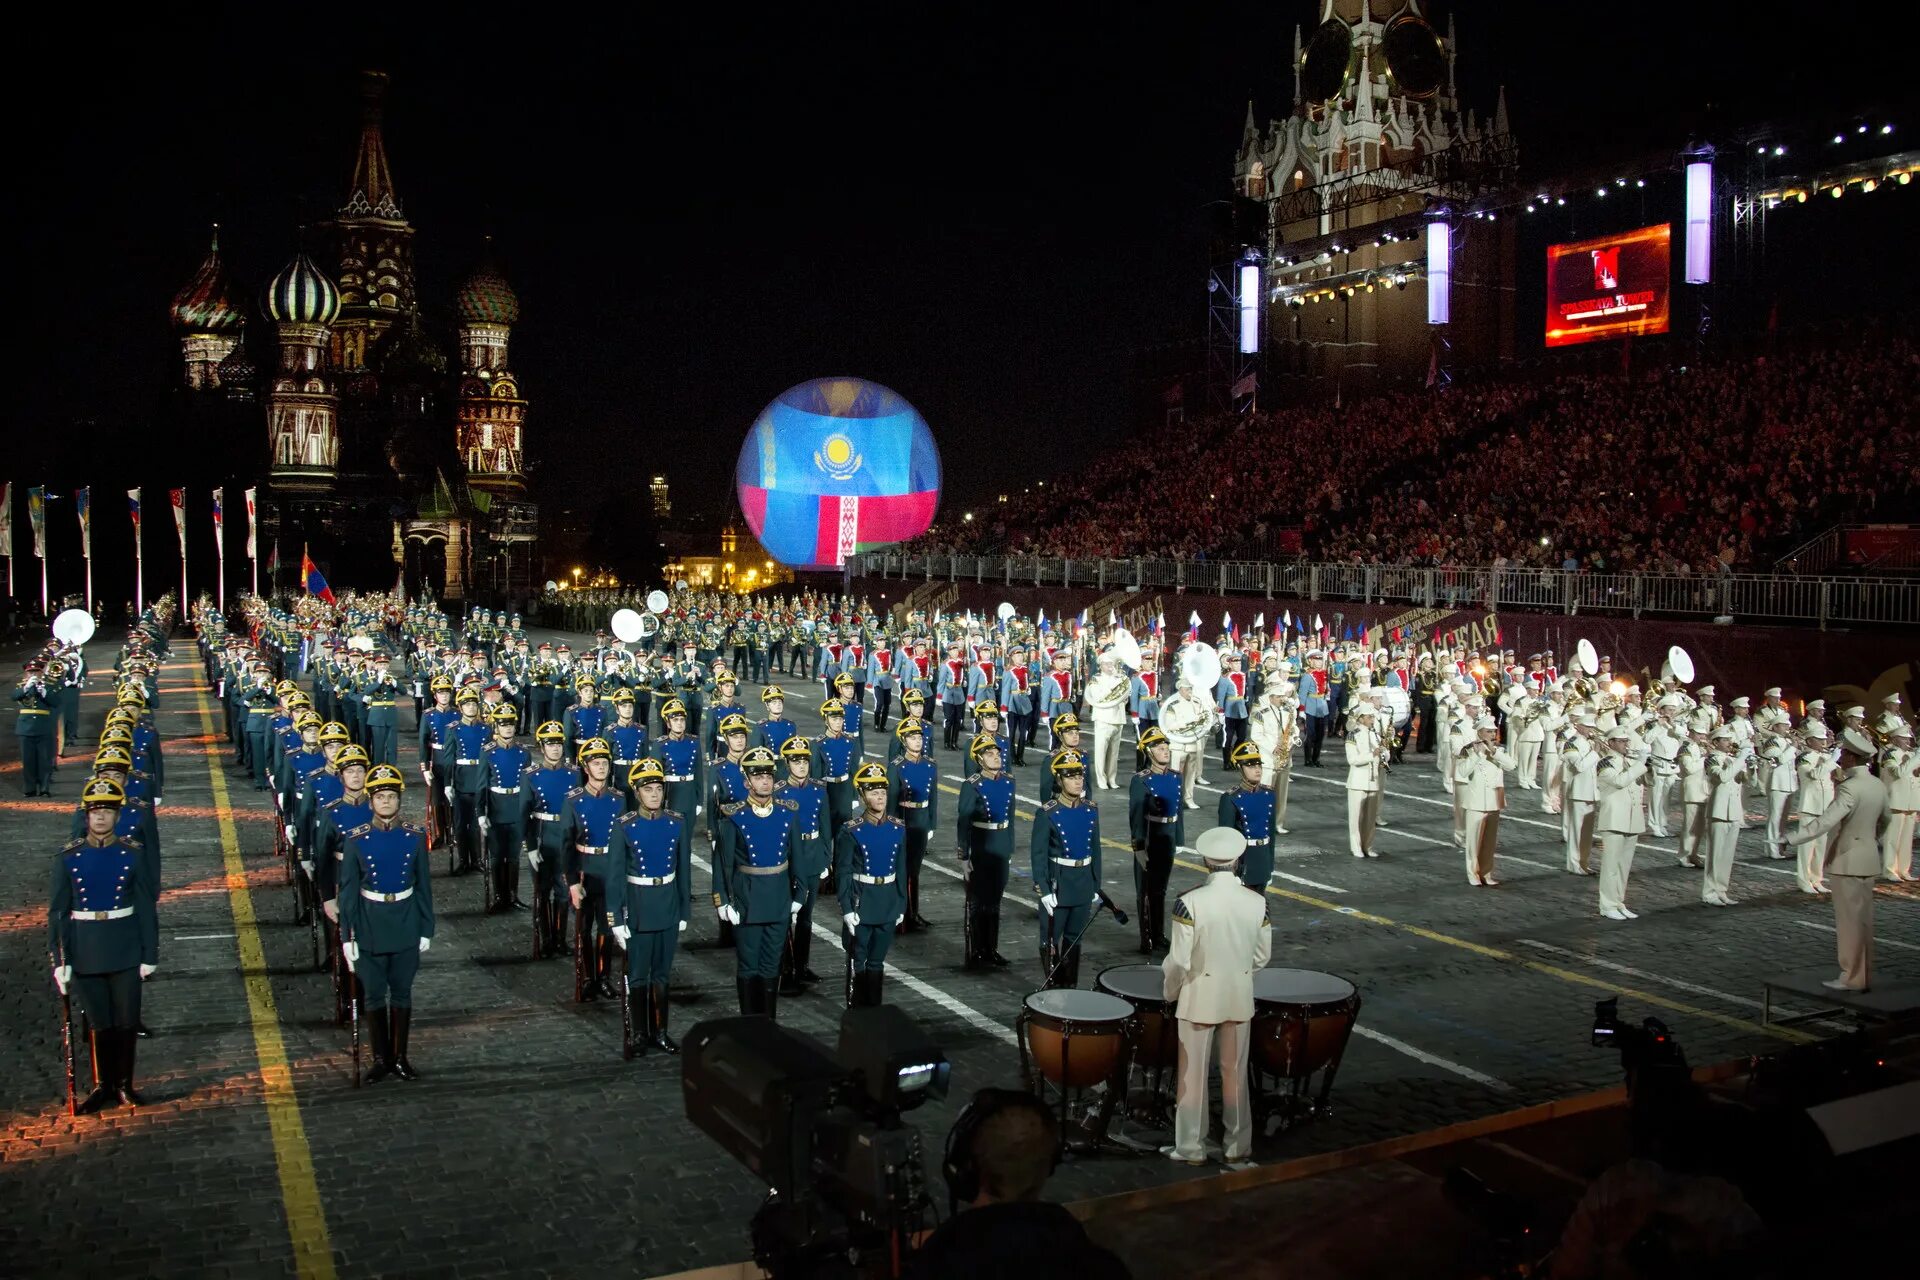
{"x":386,"y":777}
{"x":1246,"y":753}
{"x":645,"y":771}
{"x":771,"y":692}
{"x":334,"y":731}
{"x":352,"y":753}
{"x":672,"y":707}
{"x":102,"y":793}
{"x":833,"y":707}
{"x":1066,"y":762}
{"x":595,"y":749}
{"x":869,"y":775}
{"x":982,"y":743}
{"x":117,"y":735}
{"x":984,"y":708}
{"x":440,"y":682}
{"x":505,"y":713}
{"x":551,"y":731}
{"x":1153,"y":738}
{"x":306,"y":720}
{"x":733,"y":724}
{"x":1064,"y":721}
{"x":758,"y":760}
{"x":910,"y":724}
{"x":113,"y":758}
{"x":797,"y":748}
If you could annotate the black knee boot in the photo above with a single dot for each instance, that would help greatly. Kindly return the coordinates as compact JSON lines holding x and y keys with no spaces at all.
{"x":991,"y":946}
{"x":377,"y":1031}
{"x":743,"y":988}
{"x":657,"y":1003}
{"x":402,"y":1022}
{"x":124,"y":1066}
{"x":1142,"y":909}
{"x":105,"y":1075}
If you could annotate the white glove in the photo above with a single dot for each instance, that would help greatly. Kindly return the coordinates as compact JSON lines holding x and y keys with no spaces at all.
{"x":158,"y":801}
{"x":825,"y":872}
{"x":852,"y":920}
{"x":1049,"y":901}
{"x":332,"y":907}
{"x":966,"y":867}
{"x":683,"y":926}
{"x":623,"y":933}
{"x":289,"y":830}
{"x":577,"y":894}
{"x":794,"y":910}
{"x":730,"y":913}
{"x":486,"y":824}
{"x":900,"y":920}
{"x":148,"y":970}
{"x":533,"y":859}
{"x":351,"y":951}
{"x":699,"y":809}
{"x":62,"y":975}
{"x":447,"y":792}
{"x":424,"y":944}
{"x":306,"y":865}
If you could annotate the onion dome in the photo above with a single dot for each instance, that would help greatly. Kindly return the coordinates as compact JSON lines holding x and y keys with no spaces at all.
{"x":302,"y":294}
{"x":237,"y":373}
{"x":205,"y":304}
{"x":487,"y":298}
{"x":409,"y":354}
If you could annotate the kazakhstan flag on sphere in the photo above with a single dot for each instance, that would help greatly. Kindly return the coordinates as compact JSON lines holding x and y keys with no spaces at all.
{"x":837,"y":466}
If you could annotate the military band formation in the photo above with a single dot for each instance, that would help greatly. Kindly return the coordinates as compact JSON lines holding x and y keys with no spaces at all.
{"x":645,"y":768}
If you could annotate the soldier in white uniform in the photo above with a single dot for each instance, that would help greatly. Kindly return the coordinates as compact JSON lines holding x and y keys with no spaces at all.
{"x":1816,"y":770}
{"x":1772,"y":709}
{"x":1185,"y":719}
{"x":1366,"y":759}
{"x":1706,"y":712}
{"x":1620,"y":819}
{"x":1276,"y":720}
{"x":1849,"y":831}
{"x":1479,"y":771}
{"x":1890,"y":717}
{"x":1222,"y":936}
{"x":1579,"y":762}
{"x":1725,"y":775}
{"x":1695,"y":791}
{"x":1530,"y":734}
{"x":1900,"y":772}
{"x":1553,"y":724}
{"x":1107,"y":695}
{"x":1778,"y":761}
{"x":1663,"y":762}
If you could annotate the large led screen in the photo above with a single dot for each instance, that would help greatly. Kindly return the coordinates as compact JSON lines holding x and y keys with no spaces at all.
{"x":1608,"y":287}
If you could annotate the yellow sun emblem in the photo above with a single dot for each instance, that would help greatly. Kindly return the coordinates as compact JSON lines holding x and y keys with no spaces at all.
{"x":837,"y":457}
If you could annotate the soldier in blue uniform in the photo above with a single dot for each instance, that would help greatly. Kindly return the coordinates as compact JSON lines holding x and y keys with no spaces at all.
{"x":261,"y":704}
{"x":317,"y":790}
{"x":835,"y":755}
{"x":1066,"y":732}
{"x":386,"y":919}
{"x":913,"y":796}
{"x":33,"y":724}
{"x":650,"y":897}
{"x":586,"y":824}
{"x":812,"y":860}
{"x":776,"y":730}
{"x":985,"y":838}
{"x":350,"y":809}
{"x":1157,"y":821}
{"x":756,"y":887}
{"x":986,"y":719}
{"x":1017,"y":695}
{"x":103,"y":935}
{"x":869,"y":854}
{"x":548,"y":784}
{"x":504,"y":825}
{"x":381,"y":697}
{"x":727,"y":784}
{"x":846,"y":691}
{"x":1230,"y":695}
{"x":436,"y":723}
{"x":136,"y":819}
{"x":1066,"y":869}
{"x":1249,"y":809}
{"x":679,"y":754}
{"x":881,"y":679}
{"x":627,"y":735}
{"x":540,"y":678}
{"x":722,"y":711}
{"x":952,"y":681}
{"x":585,"y":719}
{"x":463,"y":778}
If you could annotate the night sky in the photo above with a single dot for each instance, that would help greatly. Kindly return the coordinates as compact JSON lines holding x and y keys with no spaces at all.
{"x":990,"y":208}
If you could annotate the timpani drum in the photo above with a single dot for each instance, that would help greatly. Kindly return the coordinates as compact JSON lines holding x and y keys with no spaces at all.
{"x":1143,"y":986}
{"x":1301,"y":1023}
{"x":1076,"y":1038}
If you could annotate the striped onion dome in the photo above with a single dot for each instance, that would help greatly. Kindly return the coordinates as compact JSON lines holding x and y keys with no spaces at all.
{"x":205,"y":304}
{"x":302,"y":294}
{"x":487,"y":298}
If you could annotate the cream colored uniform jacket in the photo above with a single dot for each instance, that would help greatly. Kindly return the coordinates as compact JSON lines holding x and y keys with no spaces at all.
{"x":1580,"y":760}
{"x":1725,"y":771}
{"x":1900,"y":771}
{"x":1221,"y":937}
{"x":1859,"y":807}
{"x":1481,"y":783}
{"x":1266,"y":727}
{"x":1816,"y":782}
{"x":1695,"y":788}
{"x":1363,"y":760}
{"x":1619,"y":810}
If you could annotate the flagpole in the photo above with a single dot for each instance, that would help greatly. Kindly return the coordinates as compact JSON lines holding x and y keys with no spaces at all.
{"x":43,"y":588}
{"x":89,"y":560}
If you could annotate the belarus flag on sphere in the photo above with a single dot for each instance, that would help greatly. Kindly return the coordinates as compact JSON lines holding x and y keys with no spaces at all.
{"x":835,"y":467}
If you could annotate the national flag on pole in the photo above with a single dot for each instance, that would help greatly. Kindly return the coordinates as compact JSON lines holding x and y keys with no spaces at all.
{"x":1232,"y":630}
{"x":179,"y":499}
{"x":1286,"y":620}
{"x":273,"y":561}
{"x":1318,"y":627}
{"x":1244,"y":385}
{"x":314,"y":580}
{"x":6,"y":519}
{"x":133,"y":510}
{"x":37,"y":517}
{"x":1279,"y":632}
{"x":1159,"y":625}
{"x":83,"y":508}
{"x":1193,"y":625}
{"x":1113,"y":617}
{"x":219,"y":519}
{"x":1080,"y":623}
{"x":252,"y":545}
{"x":1259,"y":622}
{"x":1045,"y":626}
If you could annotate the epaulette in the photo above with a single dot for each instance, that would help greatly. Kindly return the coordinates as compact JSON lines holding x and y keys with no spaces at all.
{"x":1180,"y":913}
{"x":413,"y":828}
{"x":360,"y":830}
{"x":975,"y":778}
{"x":896,"y":822}
{"x":783,"y":803}
{"x":1051,"y":804}
{"x":72,"y":845}
{"x":728,"y":810}
{"x":576,"y":791}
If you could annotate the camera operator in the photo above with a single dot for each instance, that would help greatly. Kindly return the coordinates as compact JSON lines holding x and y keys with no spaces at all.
{"x":1000,"y":1153}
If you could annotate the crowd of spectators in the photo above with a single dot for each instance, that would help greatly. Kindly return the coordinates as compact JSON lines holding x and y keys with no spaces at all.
{"x":1700,"y":469}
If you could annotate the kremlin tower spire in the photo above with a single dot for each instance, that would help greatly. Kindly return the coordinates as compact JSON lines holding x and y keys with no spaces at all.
{"x":207,"y":320}
{"x":490,"y":412}
{"x":303,"y":419}
{"x":375,"y":244}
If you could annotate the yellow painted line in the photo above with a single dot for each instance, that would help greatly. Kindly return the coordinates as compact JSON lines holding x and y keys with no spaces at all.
{"x":299,"y":1192}
{"x":1571,"y":976}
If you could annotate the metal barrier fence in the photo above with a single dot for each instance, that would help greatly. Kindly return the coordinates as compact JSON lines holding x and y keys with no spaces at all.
{"x":1746,"y":597}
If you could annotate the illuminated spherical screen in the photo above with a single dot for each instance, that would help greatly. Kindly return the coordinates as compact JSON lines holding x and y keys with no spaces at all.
{"x":837,"y":466}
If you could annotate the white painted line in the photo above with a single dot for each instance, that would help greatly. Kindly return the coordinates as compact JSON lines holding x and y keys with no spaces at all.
{"x":1644,"y":975}
{"x":1311,"y":884}
{"x":198,"y":937}
{"x":1878,"y":942}
{"x":1433,"y":1059}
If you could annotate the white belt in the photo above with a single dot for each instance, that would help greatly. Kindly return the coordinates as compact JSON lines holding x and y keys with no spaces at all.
{"x":547,"y":817}
{"x":466,"y":762}
{"x":764,"y":871}
{"x":677,"y":777}
{"x":591,"y":848}
{"x":841,"y":778}
{"x":1071,"y":862}
{"x":860,"y":879}
{"x":1251,"y":844}
{"x":118,"y":913}
{"x":505,"y":791}
{"x":650,"y":880}
{"x":625,"y":762}
{"x":913,"y":804}
{"x":991,"y":826}
{"x":401,"y":896}
{"x":1153,"y":818}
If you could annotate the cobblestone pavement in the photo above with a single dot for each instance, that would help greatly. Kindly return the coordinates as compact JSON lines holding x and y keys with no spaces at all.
{"x":530,"y":1148}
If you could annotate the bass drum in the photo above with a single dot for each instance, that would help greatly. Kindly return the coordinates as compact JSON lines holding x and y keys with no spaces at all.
{"x":1143,"y":986}
{"x":1076,"y":1038}
{"x":1301,"y":1021}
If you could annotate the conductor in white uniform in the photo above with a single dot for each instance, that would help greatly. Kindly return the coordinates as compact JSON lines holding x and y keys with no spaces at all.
{"x":1852,"y":861}
{"x":1221,"y":937}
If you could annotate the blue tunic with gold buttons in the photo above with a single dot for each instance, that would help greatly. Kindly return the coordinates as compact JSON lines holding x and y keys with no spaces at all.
{"x":754,"y":873}
{"x":870,"y":857}
{"x":101,"y":918}
{"x":650,"y":889}
{"x":1066,"y":864}
{"x":1249,"y":810}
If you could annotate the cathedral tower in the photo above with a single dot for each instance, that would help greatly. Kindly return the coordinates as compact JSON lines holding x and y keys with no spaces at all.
{"x":303,"y":421}
{"x":490,"y":412}
{"x":375,"y":245}
{"x":207,"y":321}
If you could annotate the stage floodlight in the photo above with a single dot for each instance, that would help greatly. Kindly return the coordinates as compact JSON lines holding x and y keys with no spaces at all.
{"x":1439,"y":272}
{"x":1249,"y":308}
{"x":1699,"y":221}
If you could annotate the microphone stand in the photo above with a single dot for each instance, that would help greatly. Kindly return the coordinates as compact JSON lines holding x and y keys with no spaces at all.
{"x":1104,"y":903}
